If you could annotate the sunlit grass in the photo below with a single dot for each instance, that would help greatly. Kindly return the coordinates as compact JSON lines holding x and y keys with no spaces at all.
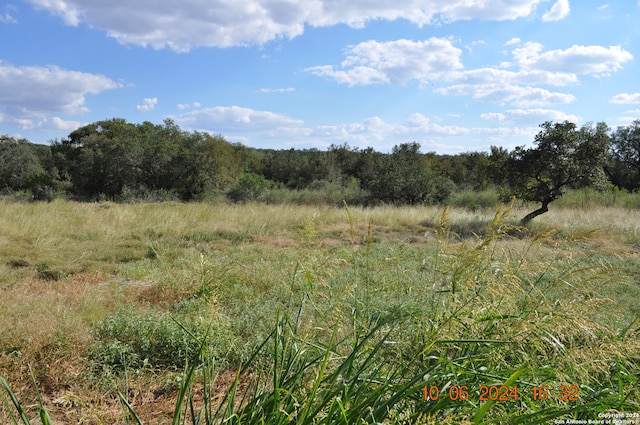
{"x":447,"y":293}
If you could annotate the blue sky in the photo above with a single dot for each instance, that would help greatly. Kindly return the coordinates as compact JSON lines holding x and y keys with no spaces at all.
{"x":452,"y":75}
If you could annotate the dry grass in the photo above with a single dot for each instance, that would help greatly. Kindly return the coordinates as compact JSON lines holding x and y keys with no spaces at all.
{"x":67,"y":266}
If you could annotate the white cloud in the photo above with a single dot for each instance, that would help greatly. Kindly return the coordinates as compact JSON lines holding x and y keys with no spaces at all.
{"x":182,"y":26}
{"x":248,"y":125}
{"x":284,"y":90}
{"x":382,"y":135}
{"x":513,"y":41}
{"x":41,"y":122}
{"x":6,"y":16}
{"x":529,"y":116}
{"x":558,"y":11}
{"x":626,"y":99}
{"x":401,"y":61}
{"x":521,"y":87}
{"x":183,"y":106}
{"x":359,"y":75}
{"x":499,"y":10}
{"x":34,"y":91}
{"x":23,"y":123}
{"x":519,"y":96}
{"x":520,"y":77}
{"x":627,"y":120}
{"x":148,"y":104}
{"x":58,"y":124}
{"x":7,"y":19}
{"x":397,"y":62}
{"x":598,"y":60}
{"x":235,"y":119}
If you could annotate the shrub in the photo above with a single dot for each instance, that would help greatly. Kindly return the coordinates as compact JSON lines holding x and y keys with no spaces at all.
{"x":250,"y":187}
{"x":136,"y":340}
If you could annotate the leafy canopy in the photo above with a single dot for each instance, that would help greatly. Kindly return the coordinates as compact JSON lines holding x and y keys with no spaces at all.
{"x":563,"y":157}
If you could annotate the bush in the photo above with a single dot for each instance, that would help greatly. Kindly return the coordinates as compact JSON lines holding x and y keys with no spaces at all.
{"x":130,"y":340}
{"x":318,"y":192}
{"x":250,"y":187}
{"x":588,"y":198}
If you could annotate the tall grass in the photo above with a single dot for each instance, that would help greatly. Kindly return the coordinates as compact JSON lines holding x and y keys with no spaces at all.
{"x":322,"y":315}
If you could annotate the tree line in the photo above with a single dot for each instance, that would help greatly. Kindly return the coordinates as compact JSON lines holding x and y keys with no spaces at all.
{"x":117,"y":160}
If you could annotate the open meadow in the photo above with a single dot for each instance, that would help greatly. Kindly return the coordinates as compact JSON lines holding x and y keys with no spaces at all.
{"x":206,"y":313}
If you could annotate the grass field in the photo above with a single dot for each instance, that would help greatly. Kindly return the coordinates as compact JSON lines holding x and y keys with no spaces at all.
{"x":204,"y":313}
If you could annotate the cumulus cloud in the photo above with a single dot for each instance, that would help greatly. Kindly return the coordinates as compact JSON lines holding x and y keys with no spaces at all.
{"x":398,"y":61}
{"x":247,"y":125}
{"x":383,"y":135}
{"x":518,"y":77}
{"x":41,"y":122}
{"x":436,"y":59}
{"x":182,"y":26}
{"x":183,"y":106}
{"x":148,"y":104}
{"x":358,"y":75}
{"x":597,"y":60}
{"x":528,"y":116}
{"x":626,"y":99}
{"x":34,"y":91}
{"x":533,"y":68}
{"x":558,"y":11}
{"x":57,"y":123}
{"x":235,"y":119}
{"x":519,"y":96}
{"x":498,"y":10}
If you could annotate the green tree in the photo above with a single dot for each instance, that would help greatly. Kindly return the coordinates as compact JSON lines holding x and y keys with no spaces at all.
{"x":108,"y":156}
{"x":112,"y":156}
{"x":160,"y":144}
{"x":20,"y":167}
{"x":250,"y":187}
{"x":563,"y":157}
{"x":219,"y":164}
{"x":404,"y":177}
{"x":298,"y":169}
{"x":624,"y":169}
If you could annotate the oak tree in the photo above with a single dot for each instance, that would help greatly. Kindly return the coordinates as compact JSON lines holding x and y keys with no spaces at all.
{"x":563,"y":157}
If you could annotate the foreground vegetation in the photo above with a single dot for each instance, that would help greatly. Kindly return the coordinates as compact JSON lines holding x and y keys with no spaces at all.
{"x":210,"y":313}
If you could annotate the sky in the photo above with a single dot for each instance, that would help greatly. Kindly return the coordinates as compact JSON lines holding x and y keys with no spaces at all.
{"x":453,"y":75}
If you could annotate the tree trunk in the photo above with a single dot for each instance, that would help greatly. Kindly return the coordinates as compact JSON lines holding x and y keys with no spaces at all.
{"x":533,"y":214}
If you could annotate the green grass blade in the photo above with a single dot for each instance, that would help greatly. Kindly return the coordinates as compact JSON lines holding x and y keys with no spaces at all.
{"x":316,"y":384}
{"x":44,"y":416}
{"x":131,"y":412}
{"x":185,"y":387}
{"x":15,"y":401}
{"x":9,"y":410}
{"x":487,"y":405}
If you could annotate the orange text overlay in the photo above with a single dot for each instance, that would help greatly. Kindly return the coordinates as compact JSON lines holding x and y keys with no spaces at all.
{"x":501,"y":393}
